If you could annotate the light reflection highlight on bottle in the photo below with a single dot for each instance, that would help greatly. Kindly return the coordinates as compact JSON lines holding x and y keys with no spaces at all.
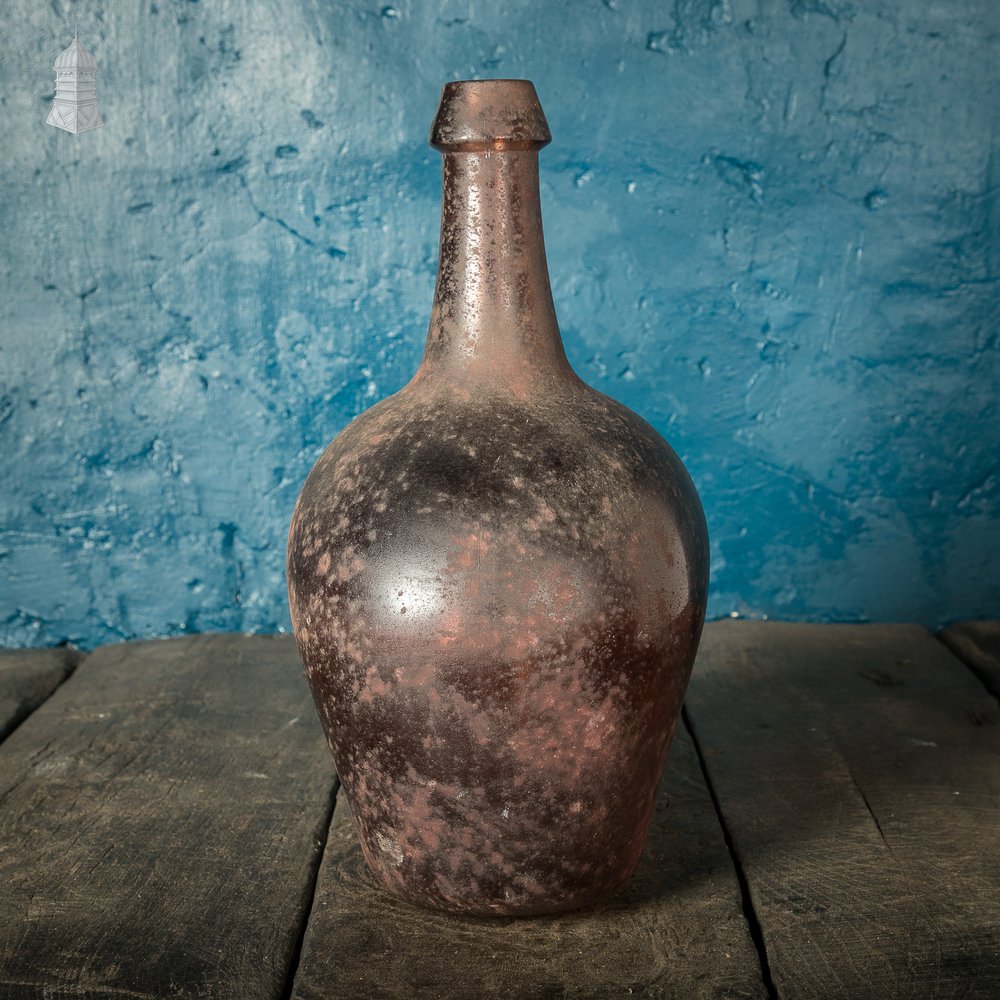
{"x":407,"y":593}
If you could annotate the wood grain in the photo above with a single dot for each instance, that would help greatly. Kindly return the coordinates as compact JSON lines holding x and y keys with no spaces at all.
{"x":27,"y":678}
{"x":676,"y":931}
{"x":858,"y":770}
{"x":161,"y":816}
{"x":978,"y":644}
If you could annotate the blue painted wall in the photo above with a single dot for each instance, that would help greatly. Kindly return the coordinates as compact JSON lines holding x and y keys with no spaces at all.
{"x":773,"y":231}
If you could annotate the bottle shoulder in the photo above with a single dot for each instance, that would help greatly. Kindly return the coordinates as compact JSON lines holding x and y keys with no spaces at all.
{"x":575,"y":455}
{"x":575,"y":419}
{"x":494,"y":492}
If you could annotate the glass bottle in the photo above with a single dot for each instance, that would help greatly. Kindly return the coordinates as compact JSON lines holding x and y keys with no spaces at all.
{"x":497,"y":576}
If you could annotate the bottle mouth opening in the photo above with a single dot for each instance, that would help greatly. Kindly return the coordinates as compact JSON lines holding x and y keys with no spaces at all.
{"x":482,"y":115}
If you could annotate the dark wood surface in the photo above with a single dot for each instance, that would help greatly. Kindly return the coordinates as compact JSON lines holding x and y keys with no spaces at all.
{"x":27,"y":678}
{"x":828,"y":826}
{"x":161,"y":817}
{"x":858,"y":772}
{"x":978,"y":643}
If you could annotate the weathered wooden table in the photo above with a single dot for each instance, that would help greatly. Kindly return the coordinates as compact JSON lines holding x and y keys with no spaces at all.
{"x":829,"y":826}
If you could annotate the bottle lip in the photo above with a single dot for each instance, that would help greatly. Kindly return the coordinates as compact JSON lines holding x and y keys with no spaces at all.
{"x":480,"y":115}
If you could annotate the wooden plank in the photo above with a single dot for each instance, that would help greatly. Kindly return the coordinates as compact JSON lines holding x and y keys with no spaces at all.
{"x":978,"y":644}
{"x":161,"y":817}
{"x":677,"y":930}
{"x":27,"y":678}
{"x":858,"y":772}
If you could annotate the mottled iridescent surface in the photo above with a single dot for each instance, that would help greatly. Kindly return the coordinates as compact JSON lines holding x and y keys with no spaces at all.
{"x":498,"y":602}
{"x":497,"y":577}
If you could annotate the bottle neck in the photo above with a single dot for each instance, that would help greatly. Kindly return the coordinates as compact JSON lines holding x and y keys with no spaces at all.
{"x":493,"y":314}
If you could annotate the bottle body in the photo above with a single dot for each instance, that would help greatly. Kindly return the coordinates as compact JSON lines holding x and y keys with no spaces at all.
{"x":497,"y":580}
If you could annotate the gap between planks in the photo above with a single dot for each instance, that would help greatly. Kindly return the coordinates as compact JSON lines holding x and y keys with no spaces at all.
{"x":749,"y":912}
{"x":977,"y":645}
{"x":310,"y":901}
{"x":28,"y":678}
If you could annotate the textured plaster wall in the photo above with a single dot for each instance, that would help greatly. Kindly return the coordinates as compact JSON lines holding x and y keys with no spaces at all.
{"x":772,"y":228}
